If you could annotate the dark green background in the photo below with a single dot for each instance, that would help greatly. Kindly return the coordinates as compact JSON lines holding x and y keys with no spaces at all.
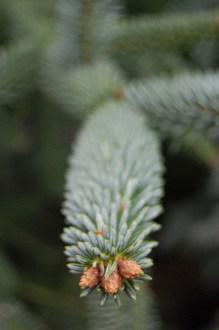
{"x":36,"y":289}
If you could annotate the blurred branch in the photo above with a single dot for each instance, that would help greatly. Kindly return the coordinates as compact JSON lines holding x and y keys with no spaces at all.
{"x":85,"y":30}
{"x":81,"y":90}
{"x":179,"y":106}
{"x":169,"y":30}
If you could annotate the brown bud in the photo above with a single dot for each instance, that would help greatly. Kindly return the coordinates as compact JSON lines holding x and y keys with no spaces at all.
{"x":99,"y":233}
{"x":112,"y":284}
{"x":90,"y":278}
{"x":129,"y":268}
{"x":119,"y":94}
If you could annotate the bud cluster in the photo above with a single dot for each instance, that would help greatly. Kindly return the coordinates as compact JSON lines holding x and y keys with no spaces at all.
{"x":126,"y":269}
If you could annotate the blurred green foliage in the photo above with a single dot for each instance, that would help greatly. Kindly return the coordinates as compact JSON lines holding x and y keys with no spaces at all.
{"x":36,"y":291}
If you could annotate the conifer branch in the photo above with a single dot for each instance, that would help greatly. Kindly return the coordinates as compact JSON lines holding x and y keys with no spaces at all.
{"x":179,"y":106}
{"x":113,"y":190}
{"x":85,"y":30}
{"x":169,"y":30}
{"x":79,"y":91}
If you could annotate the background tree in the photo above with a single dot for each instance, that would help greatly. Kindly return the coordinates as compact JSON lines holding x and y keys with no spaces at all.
{"x":123,"y":81}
